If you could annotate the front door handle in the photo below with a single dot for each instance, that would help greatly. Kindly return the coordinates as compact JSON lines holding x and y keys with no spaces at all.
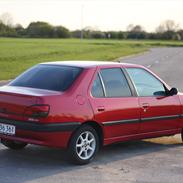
{"x":100,"y":108}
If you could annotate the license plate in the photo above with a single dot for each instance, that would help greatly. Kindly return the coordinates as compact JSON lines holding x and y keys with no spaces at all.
{"x":7,"y":129}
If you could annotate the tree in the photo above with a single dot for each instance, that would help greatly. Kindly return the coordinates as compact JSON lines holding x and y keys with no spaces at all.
{"x":137,"y":28}
{"x":40,"y":29}
{"x":168,"y":30}
{"x":129,"y":27}
{"x":6,"y":26}
{"x":121,"y":35}
{"x":167,"y":25}
{"x":136,"y":32}
{"x":6,"y":31}
{"x":176,"y":37}
{"x":92,"y":32}
{"x":20,"y":30}
{"x":76,"y":33}
{"x":97,"y":34}
{"x":2,"y":28}
{"x":61,"y":32}
{"x":6,"y":19}
{"x":180,"y":32}
{"x":112,"y":34}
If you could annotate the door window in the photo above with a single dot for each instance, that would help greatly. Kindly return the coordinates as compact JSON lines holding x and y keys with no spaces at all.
{"x":115,"y":83}
{"x":97,"y":89}
{"x":146,"y":84}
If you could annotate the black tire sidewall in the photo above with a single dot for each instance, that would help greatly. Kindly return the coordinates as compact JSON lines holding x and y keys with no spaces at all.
{"x":74,"y":158}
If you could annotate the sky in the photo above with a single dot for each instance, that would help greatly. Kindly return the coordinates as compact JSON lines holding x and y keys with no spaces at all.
{"x":100,"y":14}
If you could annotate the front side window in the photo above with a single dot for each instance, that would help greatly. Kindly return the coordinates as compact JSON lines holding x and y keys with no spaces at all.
{"x":48,"y":77}
{"x":115,"y":83}
{"x":146,"y":84}
{"x":97,"y":89}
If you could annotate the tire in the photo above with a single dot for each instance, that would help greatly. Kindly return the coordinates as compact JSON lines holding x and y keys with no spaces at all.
{"x":15,"y":145}
{"x":182,"y":135}
{"x":83,"y":146}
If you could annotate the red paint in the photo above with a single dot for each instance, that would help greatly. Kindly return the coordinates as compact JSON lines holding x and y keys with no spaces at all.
{"x":78,"y":105}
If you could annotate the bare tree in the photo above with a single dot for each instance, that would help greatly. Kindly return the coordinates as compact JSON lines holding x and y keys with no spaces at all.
{"x":138,"y":28}
{"x":167,"y":25}
{"x":135,"y":28}
{"x":130,"y":27}
{"x":91,"y":28}
{"x":7,"y":19}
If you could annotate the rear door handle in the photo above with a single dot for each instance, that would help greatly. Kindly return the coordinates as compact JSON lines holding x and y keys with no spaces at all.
{"x":145,"y":106}
{"x":100,"y":108}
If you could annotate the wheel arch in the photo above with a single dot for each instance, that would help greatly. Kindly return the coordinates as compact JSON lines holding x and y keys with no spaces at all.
{"x":98,"y":128}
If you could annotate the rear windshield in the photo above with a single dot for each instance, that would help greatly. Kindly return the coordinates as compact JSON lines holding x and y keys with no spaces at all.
{"x":48,"y":77}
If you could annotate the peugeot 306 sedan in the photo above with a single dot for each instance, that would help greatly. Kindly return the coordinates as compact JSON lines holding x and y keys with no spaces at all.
{"x":83,"y":105}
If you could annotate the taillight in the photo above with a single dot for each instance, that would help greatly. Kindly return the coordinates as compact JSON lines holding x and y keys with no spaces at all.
{"x":37,"y":111}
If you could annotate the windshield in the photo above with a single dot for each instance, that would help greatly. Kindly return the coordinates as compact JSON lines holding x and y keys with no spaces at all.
{"x":48,"y":77}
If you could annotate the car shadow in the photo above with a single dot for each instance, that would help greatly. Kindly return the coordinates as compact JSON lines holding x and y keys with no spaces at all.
{"x":37,"y":162}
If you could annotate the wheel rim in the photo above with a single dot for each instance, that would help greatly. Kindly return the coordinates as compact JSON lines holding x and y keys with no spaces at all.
{"x":85,"y":145}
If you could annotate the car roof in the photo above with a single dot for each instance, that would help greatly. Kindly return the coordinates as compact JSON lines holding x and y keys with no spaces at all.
{"x":88,"y":64}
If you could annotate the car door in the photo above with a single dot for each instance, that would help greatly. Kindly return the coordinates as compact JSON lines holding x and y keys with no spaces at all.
{"x":114,"y":104}
{"x":159,"y":111}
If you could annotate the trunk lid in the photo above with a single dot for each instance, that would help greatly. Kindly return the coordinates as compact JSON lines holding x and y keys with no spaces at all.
{"x":14,"y":100}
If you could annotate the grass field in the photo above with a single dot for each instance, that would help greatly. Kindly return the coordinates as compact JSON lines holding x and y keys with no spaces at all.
{"x":16,"y":55}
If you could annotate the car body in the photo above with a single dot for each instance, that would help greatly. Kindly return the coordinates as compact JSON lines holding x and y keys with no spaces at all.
{"x":105,"y":102}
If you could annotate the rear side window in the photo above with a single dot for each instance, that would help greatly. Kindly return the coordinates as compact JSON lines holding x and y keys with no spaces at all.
{"x":97,"y":89}
{"x":115,"y":83}
{"x":48,"y":77}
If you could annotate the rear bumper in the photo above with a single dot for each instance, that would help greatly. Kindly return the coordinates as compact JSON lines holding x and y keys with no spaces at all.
{"x":37,"y":127}
{"x":52,"y":134}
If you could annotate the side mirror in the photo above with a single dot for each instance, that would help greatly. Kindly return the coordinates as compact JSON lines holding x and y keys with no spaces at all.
{"x":173,"y":91}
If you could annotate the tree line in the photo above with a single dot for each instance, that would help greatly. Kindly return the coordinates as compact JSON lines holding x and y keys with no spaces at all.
{"x":168,"y":30}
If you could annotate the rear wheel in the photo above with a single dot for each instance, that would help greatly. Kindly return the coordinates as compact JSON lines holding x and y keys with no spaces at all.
{"x":84,"y":145}
{"x":11,"y":144}
{"x":182,"y":135}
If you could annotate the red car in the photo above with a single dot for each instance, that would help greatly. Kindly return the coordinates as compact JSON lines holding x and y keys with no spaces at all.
{"x":81,"y":106}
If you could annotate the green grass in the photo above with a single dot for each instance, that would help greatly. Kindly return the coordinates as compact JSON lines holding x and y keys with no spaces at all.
{"x":16,"y":55}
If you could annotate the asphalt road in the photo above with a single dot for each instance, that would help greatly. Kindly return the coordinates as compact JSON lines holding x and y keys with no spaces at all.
{"x":165,"y":62}
{"x":149,"y":161}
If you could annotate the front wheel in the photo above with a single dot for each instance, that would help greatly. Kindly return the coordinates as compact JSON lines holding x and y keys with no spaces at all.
{"x":11,"y":144}
{"x":84,"y":145}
